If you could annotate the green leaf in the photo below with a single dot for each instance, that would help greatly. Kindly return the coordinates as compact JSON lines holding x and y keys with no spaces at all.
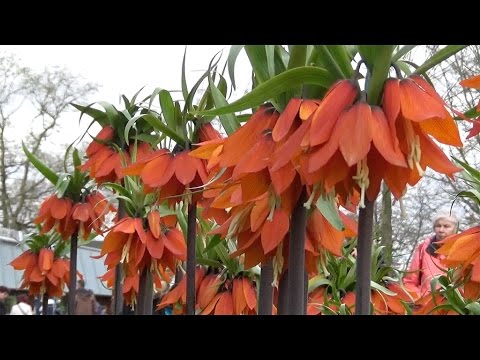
{"x":474,"y":308}
{"x":97,"y":115}
{"x":184,"y":79}
{"x":341,"y":56}
{"x":329,"y":62}
{"x":380,"y":71}
{"x":368,"y":54}
{"x":49,"y":174}
{"x":404,"y":67}
{"x":158,"y":125}
{"x":229,"y":121}
{"x":402,"y":51}
{"x":298,"y":56}
{"x":232,"y":58}
{"x":473,"y":172}
{"x":118,"y":188}
{"x":330,"y":212}
{"x":276,"y":85}
{"x":381,"y":288}
{"x":62,"y":185}
{"x":440,"y":56}
{"x":270,"y":54}
{"x":258,"y":59}
{"x":168,"y":108}
{"x":471,"y":113}
{"x":317,"y":281}
{"x":112,"y":115}
{"x":216,"y":239}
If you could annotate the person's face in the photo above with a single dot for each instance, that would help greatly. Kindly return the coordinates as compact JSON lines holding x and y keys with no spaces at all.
{"x":3,"y":295}
{"x":443,"y":228}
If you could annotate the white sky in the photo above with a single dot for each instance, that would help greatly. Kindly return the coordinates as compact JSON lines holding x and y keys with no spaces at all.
{"x":124,"y":69}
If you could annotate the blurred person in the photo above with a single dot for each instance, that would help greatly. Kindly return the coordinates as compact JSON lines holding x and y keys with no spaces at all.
{"x":425,"y":263}
{"x":85,"y":303}
{"x":22,"y":307}
{"x":3,"y":296}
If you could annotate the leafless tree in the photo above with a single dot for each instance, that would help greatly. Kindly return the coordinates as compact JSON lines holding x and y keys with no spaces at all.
{"x":43,"y":97}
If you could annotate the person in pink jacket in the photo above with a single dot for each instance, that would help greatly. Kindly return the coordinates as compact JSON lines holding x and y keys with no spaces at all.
{"x":425,"y":263}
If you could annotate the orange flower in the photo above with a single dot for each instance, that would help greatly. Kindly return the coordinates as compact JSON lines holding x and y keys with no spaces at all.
{"x":105,"y":162}
{"x":43,"y":272}
{"x":155,"y":248}
{"x":68,"y":218}
{"x":171,"y":172}
{"x":414,"y":111}
{"x":473,"y":83}
{"x":463,"y":250}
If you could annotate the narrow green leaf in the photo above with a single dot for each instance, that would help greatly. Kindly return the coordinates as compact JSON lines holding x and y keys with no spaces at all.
{"x":402,"y":51}
{"x":182,"y":219}
{"x":329,"y":62}
{"x":330,"y":212}
{"x":404,"y":67}
{"x":276,"y":85}
{"x":232,"y":58}
{"x":341,"y":56}
{"x":381,"y":288}
{"x":229,"y":121}
{"x":317,"y":281}
{"x":62,"y":185}
{"x":473,"y":307}
{"x":117,"y":187}
{"x":136,"y":94}
{"x":97,"y":115}
{"x":184,"y":79}
{"x":168,"y":108}
{"x":158,"y":125}
{"x":258,"y":59}
{"x":380,"y":71}
{"x":440,"y":56}
{"x":215,"y":240}
{"x":298,"y":56}
{"x":352,"y":51}
{"x":471,"y":113}
{"x":112,"y":115}
{"x":368,"y":53}
{"x":49,"y":174}
{"x":270,"y":53}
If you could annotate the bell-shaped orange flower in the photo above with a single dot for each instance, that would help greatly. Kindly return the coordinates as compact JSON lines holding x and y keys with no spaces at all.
{"x":415,"y":112}
{"x":463,"y":250}
{"x":43,"y":272}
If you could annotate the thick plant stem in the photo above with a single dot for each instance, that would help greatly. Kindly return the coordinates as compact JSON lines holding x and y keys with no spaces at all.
{"x":296,"y":259}
{"x":364,"y":256}
{"x":73,"y":273}
{"x":45,"y":303}
{"x":191,"y":257}
{"x":266,"y":290}
{"x":282,"y":305}
{"x":145,"y":294}
{"x":117,"y":288}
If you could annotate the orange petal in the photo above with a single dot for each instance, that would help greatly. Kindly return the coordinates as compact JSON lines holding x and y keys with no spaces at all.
{"x":274,"y":231}
{"x":249,"y":293}
{"x":340,"y":96}
{"x":239,"y":301}
{"x":443,"y":130}
{"x":175,"y":242}
{"x":259,"y":213}
{"x":356,"y":137}
{"x":225,"y":304}
{"x":285,"y":120}
{"x":471,"y":82}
